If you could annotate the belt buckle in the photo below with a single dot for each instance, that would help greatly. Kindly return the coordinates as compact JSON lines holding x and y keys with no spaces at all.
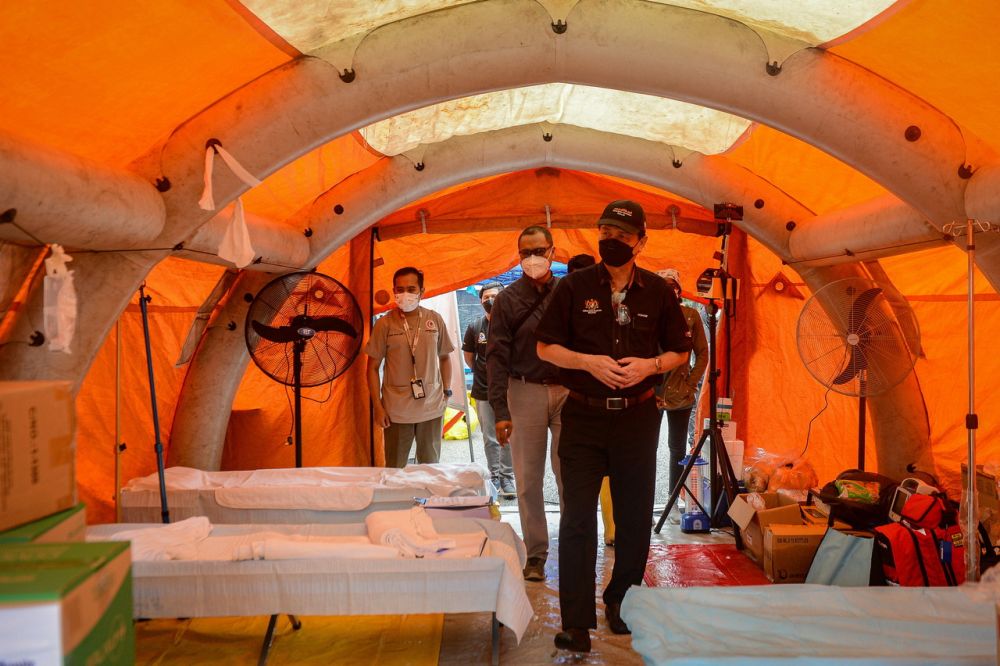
{"x":615,"y":403}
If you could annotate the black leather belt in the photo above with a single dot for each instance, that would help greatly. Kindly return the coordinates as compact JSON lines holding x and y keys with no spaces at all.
{"x":543,"y":382}
{"x":617,"y":402}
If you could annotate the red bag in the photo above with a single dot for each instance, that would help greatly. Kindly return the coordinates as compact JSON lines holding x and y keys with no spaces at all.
{"x":918,"y":552}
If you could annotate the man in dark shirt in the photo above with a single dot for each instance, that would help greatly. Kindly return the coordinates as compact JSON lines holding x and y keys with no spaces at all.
{"x":524,"y":391}
{"x":474,"y":347}
{"x":613,"y":329}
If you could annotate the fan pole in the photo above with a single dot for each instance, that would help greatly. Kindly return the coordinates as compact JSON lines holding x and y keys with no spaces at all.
{"x":158,"y":445}
{"x":297,"y":349}
{"x":862,"y":414}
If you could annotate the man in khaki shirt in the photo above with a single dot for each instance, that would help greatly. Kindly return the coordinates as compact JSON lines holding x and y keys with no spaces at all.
{"x":411,"y":399}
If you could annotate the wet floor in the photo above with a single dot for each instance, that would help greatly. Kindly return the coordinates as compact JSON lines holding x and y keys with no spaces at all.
{"x":465,"y":638}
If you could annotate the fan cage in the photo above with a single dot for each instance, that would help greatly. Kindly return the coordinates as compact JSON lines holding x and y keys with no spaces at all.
{"x":297,"y":298}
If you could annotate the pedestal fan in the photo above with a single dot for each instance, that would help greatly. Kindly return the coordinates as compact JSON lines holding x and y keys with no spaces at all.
{"x":851,"y":340}
{"x":303,"y":330}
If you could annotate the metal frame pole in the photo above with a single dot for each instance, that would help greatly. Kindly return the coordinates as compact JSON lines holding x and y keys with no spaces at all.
{"x":971,"y":421}
{"x":158,"y":445}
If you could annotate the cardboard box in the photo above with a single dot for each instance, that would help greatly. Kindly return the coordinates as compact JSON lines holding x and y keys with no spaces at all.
{"x":812,"y":515}
{"x":751,"y":522}
{"x":789,"y":551}
{"x":37,"y":423}
{"x":986,"y":488}
{"x":66,"y":604}
{"x":65,"y":526}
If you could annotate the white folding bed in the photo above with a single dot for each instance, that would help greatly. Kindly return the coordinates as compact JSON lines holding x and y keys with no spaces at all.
{"x":813,"y":624}
{"x":301,"y":496}
{"x":489,"y":582}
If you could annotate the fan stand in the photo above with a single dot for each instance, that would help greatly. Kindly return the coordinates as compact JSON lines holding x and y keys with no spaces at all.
{"x":862,"y":415}
{"x":298,"y":347}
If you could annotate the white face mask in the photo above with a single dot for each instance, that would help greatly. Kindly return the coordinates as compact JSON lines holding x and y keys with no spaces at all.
{"x":535,"y":267}
{"x":407,"y":302}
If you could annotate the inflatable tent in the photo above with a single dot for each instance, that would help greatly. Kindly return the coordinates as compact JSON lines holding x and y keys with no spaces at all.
{"x":375,"y":135}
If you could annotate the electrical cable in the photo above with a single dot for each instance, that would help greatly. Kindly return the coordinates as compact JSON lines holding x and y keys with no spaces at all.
{"x":826,"y":403}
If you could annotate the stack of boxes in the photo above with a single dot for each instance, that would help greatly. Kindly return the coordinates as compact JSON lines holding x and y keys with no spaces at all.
{"x":61,"y":600}
{"x":783,"y":536}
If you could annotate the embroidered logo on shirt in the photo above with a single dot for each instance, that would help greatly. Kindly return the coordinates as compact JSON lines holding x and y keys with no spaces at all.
{"x":482,"y":336}
{"x":591,"y":306}
{"x":431,"y":325}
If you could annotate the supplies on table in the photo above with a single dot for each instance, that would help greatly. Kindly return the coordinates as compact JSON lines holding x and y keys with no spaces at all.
{"x":66,"y":603}
{"x":65,"y":526}
{"x":37,"y":421}
{"x":766,"y":471}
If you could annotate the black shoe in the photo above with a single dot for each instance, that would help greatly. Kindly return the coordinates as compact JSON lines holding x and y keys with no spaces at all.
{"x":576,"y":640}
{"x":613,"y":613}
{"x":534,"y":569}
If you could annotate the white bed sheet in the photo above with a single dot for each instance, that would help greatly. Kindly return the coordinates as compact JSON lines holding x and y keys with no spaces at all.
{"x":811,"y":624}
{"x":491,"y":583}
{"x":296,"y":496}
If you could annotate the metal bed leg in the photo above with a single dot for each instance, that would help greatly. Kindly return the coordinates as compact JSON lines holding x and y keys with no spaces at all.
{"x":495,"y":657}
{"x":296,"y":623}
{"x":268,"y":637}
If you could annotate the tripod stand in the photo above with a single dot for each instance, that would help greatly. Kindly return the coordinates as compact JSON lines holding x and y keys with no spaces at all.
{"x":712,"y":434}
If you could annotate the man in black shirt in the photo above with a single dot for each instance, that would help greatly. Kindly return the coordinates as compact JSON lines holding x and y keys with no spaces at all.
{"x":474,"y":347}
{"x":524,"y":391}
{"x":613,"y":329}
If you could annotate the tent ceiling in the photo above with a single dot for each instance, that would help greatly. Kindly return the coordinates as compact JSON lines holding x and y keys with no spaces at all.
{"x":311,"y":25}
{"x":688,"y":126}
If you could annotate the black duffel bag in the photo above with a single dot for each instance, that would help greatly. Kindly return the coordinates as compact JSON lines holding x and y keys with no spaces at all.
{"x":859,"y":515}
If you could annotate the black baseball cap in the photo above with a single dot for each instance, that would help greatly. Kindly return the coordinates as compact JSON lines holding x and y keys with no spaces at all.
{"x":626,"y":215}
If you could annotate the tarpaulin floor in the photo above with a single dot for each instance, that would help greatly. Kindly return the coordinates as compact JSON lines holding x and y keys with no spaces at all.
{"x":396,"y":640}
{"x":695,"y":565}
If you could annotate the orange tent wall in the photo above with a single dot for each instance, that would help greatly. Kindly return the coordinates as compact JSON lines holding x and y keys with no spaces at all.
{"x":177,"y":288}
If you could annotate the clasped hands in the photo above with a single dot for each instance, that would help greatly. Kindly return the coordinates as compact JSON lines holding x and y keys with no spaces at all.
{"x":620,"y":374}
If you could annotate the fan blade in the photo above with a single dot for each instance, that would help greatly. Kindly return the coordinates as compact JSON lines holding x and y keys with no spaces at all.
{"x":332,"y":324}
{"x":274,"y":333}
{"x":859,"y":308}
{"x":855,"y":364}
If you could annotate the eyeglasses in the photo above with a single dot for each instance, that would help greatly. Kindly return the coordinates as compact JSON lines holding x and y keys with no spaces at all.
{"x":536,"y":252}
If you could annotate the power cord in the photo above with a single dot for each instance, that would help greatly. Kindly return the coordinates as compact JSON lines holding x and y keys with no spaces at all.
{"x":826,"y":403}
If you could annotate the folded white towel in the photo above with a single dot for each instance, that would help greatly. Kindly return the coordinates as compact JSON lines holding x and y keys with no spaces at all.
{"x":176,"y":541}
{"x":410,"y":530}
{"x":439,"y":479}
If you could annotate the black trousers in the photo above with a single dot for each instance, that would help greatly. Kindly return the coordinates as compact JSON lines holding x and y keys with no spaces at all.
{"x":594,"y":443}
{"x":677,"y":439}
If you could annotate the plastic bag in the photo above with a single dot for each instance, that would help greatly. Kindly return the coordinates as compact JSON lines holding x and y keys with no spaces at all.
{"x":760,"y":465}
{"x":59,"y":301}
{"x":859,"y":491}
{"x":796,"y":474}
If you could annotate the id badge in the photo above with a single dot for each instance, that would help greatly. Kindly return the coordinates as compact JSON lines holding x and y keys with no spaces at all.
{"x":417,"y":387}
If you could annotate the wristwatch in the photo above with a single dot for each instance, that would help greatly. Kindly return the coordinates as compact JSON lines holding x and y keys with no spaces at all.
{"x":447,"y":393}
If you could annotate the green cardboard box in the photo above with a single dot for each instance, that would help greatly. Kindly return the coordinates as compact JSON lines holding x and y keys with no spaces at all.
{"x":66,"y":604}
{"x":65,"y":526}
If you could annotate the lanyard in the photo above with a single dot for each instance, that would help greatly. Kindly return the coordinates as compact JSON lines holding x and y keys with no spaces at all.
{"x":412,"y":344}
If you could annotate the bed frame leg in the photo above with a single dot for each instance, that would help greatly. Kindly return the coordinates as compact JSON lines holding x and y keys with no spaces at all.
{"x":495,"y":657}
{"x":268,"y":637}
{"x":296,"y":623}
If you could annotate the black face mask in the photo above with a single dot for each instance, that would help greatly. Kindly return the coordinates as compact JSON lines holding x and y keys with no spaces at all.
{"x":488,"y":305}
{"x":614,"y":252}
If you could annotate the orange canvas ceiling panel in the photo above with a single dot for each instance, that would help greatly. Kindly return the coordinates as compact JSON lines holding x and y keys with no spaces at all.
{"x":526,"y":193}
{"x":943,"y":52}
{"x":297,"y":184}
{"x":818,"y":180}
{"x":107,"y":80}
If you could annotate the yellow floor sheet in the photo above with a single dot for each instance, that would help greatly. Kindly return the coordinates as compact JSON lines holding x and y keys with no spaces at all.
{"x":390,"y":640}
